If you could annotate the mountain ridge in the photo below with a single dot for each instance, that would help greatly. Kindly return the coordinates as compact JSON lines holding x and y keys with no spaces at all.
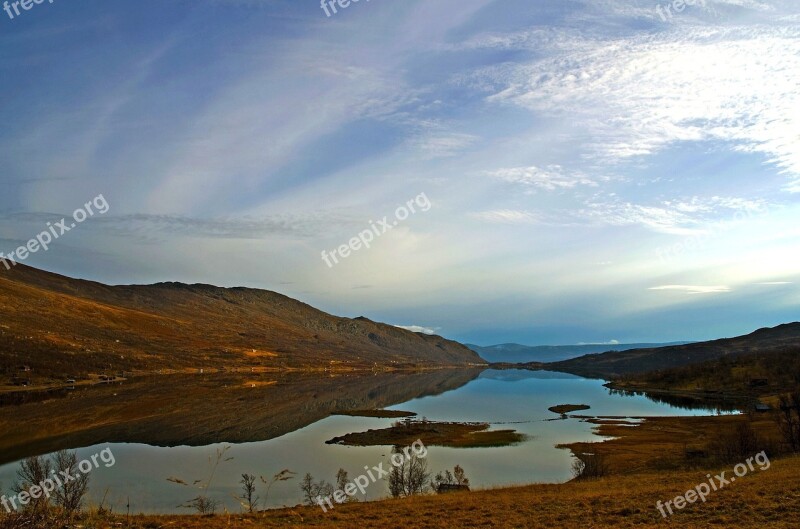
{"x":65,"y":328}
{"x":517,"y":353}
{"x":619,"y":363}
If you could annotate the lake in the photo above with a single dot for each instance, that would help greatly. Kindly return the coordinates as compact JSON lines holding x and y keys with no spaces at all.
{"x":284,"y":424}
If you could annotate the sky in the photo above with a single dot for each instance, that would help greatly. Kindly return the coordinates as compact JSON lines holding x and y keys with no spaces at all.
{"x":540,"y":172}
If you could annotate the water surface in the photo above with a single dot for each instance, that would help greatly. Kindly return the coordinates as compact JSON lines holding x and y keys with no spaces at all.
{"x":296,"y":438}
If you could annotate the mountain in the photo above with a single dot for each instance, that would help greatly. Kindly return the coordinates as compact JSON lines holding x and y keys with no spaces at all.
{"x":616,"y":363}
{"x":66,"y":328}
{"x":516,"y":353}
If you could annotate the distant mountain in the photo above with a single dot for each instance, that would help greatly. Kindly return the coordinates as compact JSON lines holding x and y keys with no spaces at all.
{"x":617,"y":363}
{"x":65,"y":328}
{"x":515,"y":353}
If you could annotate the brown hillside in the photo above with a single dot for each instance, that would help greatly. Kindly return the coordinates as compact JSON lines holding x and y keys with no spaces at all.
{"x":616,"y":363}
{"x":63,"y":327}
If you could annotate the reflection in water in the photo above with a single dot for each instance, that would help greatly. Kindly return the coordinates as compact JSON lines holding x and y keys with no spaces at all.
{"x":203,"y":410}
{"x":717,"y":405}
{"x":17,"y":398}
{"x":511,"y":375}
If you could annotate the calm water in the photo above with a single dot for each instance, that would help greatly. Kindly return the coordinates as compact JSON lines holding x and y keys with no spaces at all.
{"x":507,"y":399}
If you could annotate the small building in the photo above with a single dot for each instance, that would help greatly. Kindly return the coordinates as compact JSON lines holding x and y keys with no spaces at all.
{"x":761,"y":408}
{"x":70,"y":381}
{"x":444,"y":488}
{"x":25,"y":369}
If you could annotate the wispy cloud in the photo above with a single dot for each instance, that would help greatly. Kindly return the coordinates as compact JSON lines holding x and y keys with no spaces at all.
{"x":507,"y":216}
{"x":550,"y":178}
{"x":689,"y":216}
{"x":694,"y":289}
{"x":435,"y":144}
{"x":634,"y":96}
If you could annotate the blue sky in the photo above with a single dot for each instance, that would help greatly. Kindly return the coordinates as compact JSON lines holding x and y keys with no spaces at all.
{"x":595,"y":173}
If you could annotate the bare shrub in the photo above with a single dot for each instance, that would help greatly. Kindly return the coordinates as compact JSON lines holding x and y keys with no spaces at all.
{"x":342,"y":480}
{"x":248,"y":499}
{"x":313,"y":490}
{"x":409,"y":478}
{"x":789,"y":420}
{"x":70,"y":495}
{"x":457,"y":477}
{"x":31,"y":472}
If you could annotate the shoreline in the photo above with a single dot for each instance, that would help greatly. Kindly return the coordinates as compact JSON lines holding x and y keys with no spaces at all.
{"x":96,"y":381}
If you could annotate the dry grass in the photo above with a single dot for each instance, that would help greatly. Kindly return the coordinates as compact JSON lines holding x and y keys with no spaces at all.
{"x":661,"y":443}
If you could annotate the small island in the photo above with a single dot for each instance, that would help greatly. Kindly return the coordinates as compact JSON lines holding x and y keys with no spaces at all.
{"x":564,"y":409}
{"x":431,"y":433}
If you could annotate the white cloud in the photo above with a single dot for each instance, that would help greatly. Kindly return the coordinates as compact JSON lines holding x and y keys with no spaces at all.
{"x":441,"y":144}
{"x":635,"y":96}
{"x":694,"y":289}
{"x":687,"y":216}
{"x":550,"y":178}
{"x":507,"y":216}
{"x":417,"y":328}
